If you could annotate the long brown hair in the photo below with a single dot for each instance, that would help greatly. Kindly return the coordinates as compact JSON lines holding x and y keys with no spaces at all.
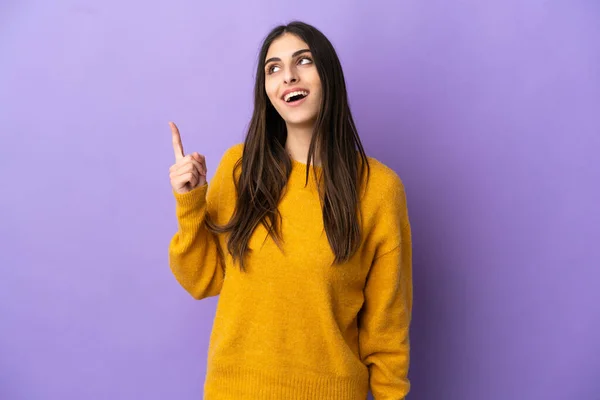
{"x":266,"y":166}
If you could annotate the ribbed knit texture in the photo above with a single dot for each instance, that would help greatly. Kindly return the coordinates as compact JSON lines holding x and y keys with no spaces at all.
{"x":294,"y":327}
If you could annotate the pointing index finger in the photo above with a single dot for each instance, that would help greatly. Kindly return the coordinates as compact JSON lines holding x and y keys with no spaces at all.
{"x":177,"y":146}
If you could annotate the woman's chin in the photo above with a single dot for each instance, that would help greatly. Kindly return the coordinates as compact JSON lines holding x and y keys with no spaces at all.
{"x":300,"y":121}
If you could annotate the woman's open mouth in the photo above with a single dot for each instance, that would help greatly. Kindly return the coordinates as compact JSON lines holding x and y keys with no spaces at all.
{"x":295,"y":98}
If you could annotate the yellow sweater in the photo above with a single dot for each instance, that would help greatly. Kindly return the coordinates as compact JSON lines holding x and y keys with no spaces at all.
{"x":293,"y":327}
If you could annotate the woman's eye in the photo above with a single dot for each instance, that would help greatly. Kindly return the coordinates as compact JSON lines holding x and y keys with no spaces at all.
{"x":274,"y":68}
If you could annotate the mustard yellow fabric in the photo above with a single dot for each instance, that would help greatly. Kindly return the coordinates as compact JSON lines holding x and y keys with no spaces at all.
{"x":293,"y":326}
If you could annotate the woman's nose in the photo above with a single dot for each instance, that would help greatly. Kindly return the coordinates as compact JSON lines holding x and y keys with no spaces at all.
{"x":290,"y":76}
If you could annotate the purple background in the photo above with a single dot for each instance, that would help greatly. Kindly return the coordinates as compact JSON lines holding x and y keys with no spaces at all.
{"x":489,"y":111}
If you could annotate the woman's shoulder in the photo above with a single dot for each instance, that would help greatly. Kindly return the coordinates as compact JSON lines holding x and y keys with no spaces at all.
{"x":224,"y":172}
{"x":383,"y":178}
{"x":385,"y":193}
{"x":221,"y":191}
{"x":384,"y":205}
{"x":233,"y":153}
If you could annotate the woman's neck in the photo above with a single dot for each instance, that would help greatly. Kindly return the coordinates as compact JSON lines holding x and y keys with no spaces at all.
{"x":298,"y":143}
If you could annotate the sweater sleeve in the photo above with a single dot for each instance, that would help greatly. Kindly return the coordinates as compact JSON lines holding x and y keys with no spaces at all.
{"x":384,"y":320}
{"x":195,"y":255}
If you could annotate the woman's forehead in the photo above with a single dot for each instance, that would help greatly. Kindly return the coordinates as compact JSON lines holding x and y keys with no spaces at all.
{"x":285,"y":46}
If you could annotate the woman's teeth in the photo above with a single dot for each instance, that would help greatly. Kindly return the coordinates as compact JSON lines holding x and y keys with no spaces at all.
{"x":302,"y":93}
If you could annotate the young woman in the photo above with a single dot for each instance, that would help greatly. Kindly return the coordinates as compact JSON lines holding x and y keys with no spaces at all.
{"x":305,"y":238}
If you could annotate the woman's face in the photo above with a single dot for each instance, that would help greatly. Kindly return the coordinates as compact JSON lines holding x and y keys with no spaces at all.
{"x":292,"y":82}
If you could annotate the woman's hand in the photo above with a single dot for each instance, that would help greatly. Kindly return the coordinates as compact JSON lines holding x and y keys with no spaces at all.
{"x":189,"y":171}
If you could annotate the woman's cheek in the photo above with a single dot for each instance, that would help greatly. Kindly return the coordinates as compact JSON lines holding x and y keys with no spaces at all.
{"x":271,"y":95}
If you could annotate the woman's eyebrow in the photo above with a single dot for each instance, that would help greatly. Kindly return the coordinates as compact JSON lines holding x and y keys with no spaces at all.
{"x":296,"y":53}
